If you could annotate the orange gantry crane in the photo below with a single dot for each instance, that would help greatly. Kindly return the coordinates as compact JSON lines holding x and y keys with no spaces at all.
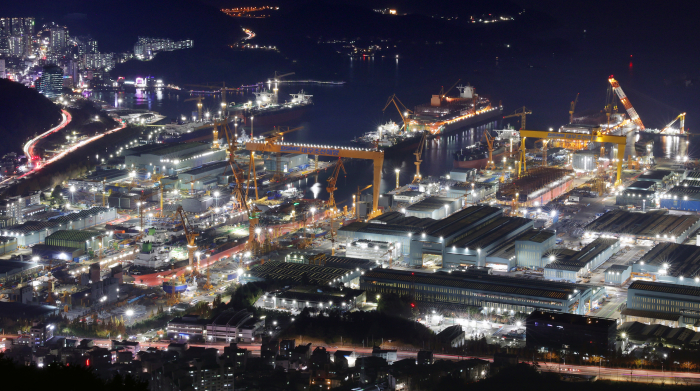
{"x":626,"y":102}
{"x":419,"y":154}
{"x":190,"y":235}
{"x":489,"y":142}
{"x":680,"y":117}
{"x":403,"y":114}
{"x":332,"y":180}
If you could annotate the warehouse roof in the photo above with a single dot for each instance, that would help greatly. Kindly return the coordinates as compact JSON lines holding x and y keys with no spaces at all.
{"x":461,"y":220}
{"x":649,"y":314}
{"x":67,"y":218}
{"x":682,"y":259}
{"x":108,"y":175}
{"x":13,"y":267}
{"x":74,"y":235}
{"x":582,"y":320}
{"x":163,"y":149}
{"x":278,"y":270}
{"x":29,"y":227}
{"x":481,"y":282}
{"x":380,"y":229}
{"x":662,"y":287}
{"x":617,"y":268}
{"x":484,"y":235}
{"x":206,"y":168}
{"x":647,"y":224}
{"x":26,"y":311}
{"x":654,"y":175}
{"x":641,"y":185}
{"x":536,"y":235}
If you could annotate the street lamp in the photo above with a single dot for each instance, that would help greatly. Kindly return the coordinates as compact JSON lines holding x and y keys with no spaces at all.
{"x":72,"y":190}
{"x":216,"y":197}
{"x":129,"y":313}
{"x":397,"y":177}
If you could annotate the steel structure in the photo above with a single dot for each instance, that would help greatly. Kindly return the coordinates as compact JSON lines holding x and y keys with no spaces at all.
{"x":522,"y":114}
{"x":626,"y":102}
{"x":595,"y":136}
{"x":189,"y":234}
{"x":419,"y":154}
{"x":340,"y":152}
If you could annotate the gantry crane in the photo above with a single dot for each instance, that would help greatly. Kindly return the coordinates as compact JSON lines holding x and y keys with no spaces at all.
{"x":571,"y":110}
{"x":489,"y":142}
{"x":680,"y":117}
{"x":626,"y":102}
{"x":190,"y":235}
{"x":199,"y":105}
{"x":356,"y":197}
{"x":522,"y":113}
{"x":418,"y":154}
{"x":276,"y":136}
{"x":404,"y":114}
{"x":332,"y":180}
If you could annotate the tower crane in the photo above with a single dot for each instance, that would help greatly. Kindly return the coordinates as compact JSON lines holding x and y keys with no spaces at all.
{"x":252,"y":213}
{"x":520,"y":113}
{"x":626,"y":102}
{"x":489,"y":142}
{"x":418,"y":154}
{"x":356,"y":198}
{"x":571,"y":110}
{"x":404,"y":114}
{"x":190,"y":235}
{"x":199,"y":105}
{"x":332,"y":180}
{"x":680,"y":117}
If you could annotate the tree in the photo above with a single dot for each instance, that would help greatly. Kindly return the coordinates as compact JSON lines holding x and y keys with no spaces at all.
{"x":395,"y":305}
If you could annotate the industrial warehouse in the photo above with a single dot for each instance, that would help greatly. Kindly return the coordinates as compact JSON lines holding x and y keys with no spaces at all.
{"x":670,"y":263}
{"x":475,"y":236}
{"x":655,"y":225}
{"x":668,"y":304}
{"x":487,"y":292}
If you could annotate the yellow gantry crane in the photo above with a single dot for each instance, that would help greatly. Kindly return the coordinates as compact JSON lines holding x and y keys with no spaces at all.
{"x":190,"y":235}
{"x":404,"y":112}
{"x":332,"y":180}
{"x":419,"y":154}
{"x":522,"y":113}
{"x":489,"y":142}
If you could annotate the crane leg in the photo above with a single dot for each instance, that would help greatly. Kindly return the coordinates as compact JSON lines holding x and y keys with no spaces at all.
{"x":620,"y":156}
{"x":378,"y":163}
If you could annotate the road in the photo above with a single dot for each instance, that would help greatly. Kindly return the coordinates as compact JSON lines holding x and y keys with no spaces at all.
{"x":74,"y":148}
{"x":29,"y":146}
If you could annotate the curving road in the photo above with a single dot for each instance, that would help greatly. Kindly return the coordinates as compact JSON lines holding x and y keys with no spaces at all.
{"x":73,"y":148}
{"x":29,"y":146}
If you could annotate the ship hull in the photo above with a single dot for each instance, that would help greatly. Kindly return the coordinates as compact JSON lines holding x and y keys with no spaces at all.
{"x":477,"y":163}
{"x":411,"y":143}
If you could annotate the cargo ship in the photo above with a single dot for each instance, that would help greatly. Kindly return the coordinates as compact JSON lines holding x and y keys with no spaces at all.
{"x":445,"y":114}
{"x":477,"y":155}
{"x":266,"y":111}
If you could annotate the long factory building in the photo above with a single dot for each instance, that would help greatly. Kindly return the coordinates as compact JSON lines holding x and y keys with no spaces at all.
{"x":170,"y":158}
{"x":657,"y":225}
{"x":476,"y":236}
{"x":670,"y":263}
{"x":658,"y":302}
{"x":476,"y":289}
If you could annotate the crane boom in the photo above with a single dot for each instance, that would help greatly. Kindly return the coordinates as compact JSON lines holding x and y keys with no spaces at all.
{"x":189,"y":234}
{"x":443,"y":94}
{"x":404,"y":114}
{"x":626,"y":102}
{"x":571,"y":111}
{"x":681,"y":117}
{"x":490,"y":165}
{"x":332,"y":180}
{"x":418,"y":154}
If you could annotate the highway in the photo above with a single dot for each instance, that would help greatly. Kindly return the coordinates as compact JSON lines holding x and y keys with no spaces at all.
{"x":72,"y":149}
{"x":29,"y":146}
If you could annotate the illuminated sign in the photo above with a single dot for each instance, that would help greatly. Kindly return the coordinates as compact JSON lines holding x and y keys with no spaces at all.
{"x":571,"y":136}
{"x":310,"y":150}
